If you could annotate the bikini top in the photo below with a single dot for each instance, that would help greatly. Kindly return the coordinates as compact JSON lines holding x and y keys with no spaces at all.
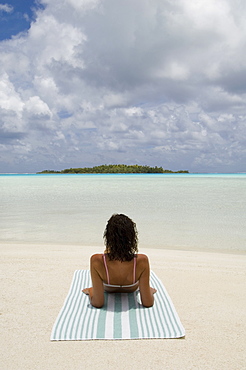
{"x":135,"y":283}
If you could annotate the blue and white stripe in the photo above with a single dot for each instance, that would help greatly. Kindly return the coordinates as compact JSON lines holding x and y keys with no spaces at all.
{"x":122,"y":317}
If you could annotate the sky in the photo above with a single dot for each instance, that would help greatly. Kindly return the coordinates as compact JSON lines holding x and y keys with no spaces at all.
{"x":149,"y":82}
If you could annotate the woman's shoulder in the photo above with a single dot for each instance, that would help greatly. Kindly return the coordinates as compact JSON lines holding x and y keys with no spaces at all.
{"x":96,"y":258}
{"x":97,"y":255}
{"x":142,"y":258}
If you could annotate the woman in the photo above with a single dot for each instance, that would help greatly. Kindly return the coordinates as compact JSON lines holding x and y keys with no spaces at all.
{"x":119,"y":269}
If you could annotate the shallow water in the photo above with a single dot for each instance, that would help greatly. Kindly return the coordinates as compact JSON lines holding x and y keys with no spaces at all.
{"x":171,"y":211}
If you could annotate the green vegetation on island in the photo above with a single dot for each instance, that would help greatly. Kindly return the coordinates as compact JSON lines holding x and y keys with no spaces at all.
{"x":113,"y":168}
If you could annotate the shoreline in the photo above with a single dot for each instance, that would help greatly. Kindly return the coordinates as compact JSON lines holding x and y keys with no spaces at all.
{"x":97,"y":247}
{"x":173,"y":174}
{"x":207,"y":289}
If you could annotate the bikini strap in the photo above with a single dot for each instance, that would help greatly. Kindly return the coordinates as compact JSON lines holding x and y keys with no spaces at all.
{"x":134,"y":269}
{"x":106,"y":267}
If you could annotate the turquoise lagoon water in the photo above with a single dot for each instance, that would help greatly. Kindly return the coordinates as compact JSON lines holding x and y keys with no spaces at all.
{"x":185,"y":211}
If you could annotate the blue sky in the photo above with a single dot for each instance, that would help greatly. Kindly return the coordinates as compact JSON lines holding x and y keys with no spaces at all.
{"x":15,"y":17}
{"x":89,"y":82}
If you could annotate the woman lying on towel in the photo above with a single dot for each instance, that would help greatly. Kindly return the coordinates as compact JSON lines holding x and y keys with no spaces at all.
{"x":120,"y":269}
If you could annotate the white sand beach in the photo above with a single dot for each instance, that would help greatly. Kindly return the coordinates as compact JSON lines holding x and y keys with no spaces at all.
{"x":207,"y":289}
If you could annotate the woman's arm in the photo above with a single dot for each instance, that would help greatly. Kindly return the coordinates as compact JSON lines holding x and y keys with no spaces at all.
{"x":96,"y":292}
{"x":146,"y":292}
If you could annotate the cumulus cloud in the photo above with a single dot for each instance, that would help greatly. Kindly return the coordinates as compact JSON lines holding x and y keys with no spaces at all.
{"x":6,"y":8}
{"x":149,"y":82}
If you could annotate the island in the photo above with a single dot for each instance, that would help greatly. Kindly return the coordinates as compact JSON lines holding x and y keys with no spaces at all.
{"x":113,"y":168}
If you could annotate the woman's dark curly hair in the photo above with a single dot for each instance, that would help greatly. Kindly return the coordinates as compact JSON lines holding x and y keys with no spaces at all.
{"x":121,"y":238}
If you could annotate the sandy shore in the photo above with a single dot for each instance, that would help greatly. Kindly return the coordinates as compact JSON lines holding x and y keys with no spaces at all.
{"x":207,"y":289}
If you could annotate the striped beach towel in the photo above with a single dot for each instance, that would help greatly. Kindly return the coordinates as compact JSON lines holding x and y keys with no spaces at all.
{"x":121,"y":317}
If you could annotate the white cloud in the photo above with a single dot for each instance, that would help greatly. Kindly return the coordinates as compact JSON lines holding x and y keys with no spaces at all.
{"x":58,"y":41}
{"x":36,"y":107}
{"x":114,"y":100}
{"x":174,"y":71}
{"x":134,"y":111}
{"x":10,"y":100}
{"x":7,"y":8}
{"x":85,"y":4}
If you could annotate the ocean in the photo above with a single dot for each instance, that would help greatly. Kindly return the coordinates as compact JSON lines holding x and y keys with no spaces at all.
{"x":174,"y":211}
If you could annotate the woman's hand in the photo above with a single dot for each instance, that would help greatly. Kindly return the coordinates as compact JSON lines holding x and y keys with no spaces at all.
{"x":153,"y":290}
{"x":87,"y":291}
